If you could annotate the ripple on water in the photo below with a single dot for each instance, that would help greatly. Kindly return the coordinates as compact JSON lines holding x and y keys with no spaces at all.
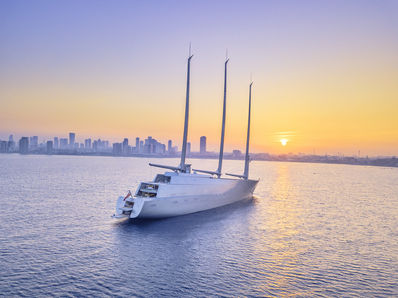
{"x":311,"y":230}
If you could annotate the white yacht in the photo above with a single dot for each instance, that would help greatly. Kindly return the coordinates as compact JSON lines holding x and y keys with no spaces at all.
{"x":179,"y":191}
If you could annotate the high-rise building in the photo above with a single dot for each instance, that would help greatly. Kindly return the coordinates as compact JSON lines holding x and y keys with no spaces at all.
{"x":117,"y":148}
{"x":4,"y":146}
{"x":169,"y":145}
{"x":126,"y":150}
{"x":87,"y":144}
{"x":141,"y":147}
{"x":63,"y":143}
{"x":137,"y":144}
{"x":72,"y":140}
{"x":125,"y":142}
{"x":203,"y":145}
{"x":11,"y":143}
{"x":148,"y":140}
{"x":34,"y":141}
{"x":56,"y":143}
{"x":24,"y":145}
{"x":50,"y":147}
{"x":188,"y":148}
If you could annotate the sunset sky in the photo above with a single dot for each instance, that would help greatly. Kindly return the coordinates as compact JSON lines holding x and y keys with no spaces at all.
{"x":325,"y":73}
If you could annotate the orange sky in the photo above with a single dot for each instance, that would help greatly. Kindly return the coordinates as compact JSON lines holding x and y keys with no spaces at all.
{"x":325,"y":74}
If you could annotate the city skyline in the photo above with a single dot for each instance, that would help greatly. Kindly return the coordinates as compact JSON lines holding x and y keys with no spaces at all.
{"x":324,"y":72}
{"x":94,"y":144}
{"x":150,"y":147}
{"x":73,"y":143}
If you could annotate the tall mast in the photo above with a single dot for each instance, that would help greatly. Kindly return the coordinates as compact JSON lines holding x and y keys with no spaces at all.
{"x":246,"y":173}
{"x":223,"y":122}
{"x":184,"y":141}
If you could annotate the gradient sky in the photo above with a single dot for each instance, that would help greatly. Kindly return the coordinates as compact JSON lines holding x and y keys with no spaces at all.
{"x":325,"y":72}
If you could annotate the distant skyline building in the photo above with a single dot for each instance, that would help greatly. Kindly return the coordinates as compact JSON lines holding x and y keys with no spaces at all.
{"x":169,"y":145}
{"x":148,"y":140}
{"x":72,"y":140}
{"x":117,"y":148}
{"x":203,"y":145}
{"x":10,"y":139}
{"x":137,"y":145}
{"x":125,"y":142}
{"x":188,"y":148}
{"x":87,"y":144}
{"x":152,"y":146}
{"x":63,"y":143}
{"x":141,"y":150}
{"x":56,"y":143}
{"x":126,"y":149}
{"x":236,"y":153}
{"x":50,"y":147}
{"x":4,"y":146}
{"x":24,"y":145}
{"x":34,"y":141}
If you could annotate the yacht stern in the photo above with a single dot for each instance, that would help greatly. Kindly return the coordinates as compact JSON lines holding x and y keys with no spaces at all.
{"x":128,"y":207}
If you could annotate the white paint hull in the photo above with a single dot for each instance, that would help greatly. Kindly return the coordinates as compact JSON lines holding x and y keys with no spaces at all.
{"x":203,"y":195}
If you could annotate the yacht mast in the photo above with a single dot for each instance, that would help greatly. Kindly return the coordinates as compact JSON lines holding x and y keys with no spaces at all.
{"x":247,"y":157}
{"x":183,"y":168}
{"x":246,"y":173}
{"x":223,"y":122}
{"x":184,"y":141}
{"x":218,"y":172}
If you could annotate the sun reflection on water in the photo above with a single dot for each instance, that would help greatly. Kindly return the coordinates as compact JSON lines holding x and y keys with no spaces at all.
{"x":280,"y":244}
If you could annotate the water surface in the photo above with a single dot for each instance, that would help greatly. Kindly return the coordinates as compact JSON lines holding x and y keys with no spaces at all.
{"x":311,"y":230}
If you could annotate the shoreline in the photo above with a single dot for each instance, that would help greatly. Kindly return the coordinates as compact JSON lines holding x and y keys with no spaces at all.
{"x":345,"y":160}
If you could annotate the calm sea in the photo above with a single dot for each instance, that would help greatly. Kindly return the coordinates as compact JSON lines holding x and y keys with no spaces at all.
{"x":312,"y":230}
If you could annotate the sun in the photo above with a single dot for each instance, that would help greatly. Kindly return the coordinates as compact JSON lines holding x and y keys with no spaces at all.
{"x":283,"y":142}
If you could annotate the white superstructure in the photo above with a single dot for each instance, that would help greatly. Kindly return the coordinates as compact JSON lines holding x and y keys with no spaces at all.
{"x":181,"y":192}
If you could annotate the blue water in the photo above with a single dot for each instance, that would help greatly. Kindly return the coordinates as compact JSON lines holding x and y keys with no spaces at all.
{"x":312,"y":230}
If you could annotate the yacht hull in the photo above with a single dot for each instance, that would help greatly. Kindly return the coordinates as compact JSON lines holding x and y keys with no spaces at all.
{"x":163,"y":207}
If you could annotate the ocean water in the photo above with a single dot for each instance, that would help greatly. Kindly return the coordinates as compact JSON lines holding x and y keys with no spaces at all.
{"x":312,"y":230}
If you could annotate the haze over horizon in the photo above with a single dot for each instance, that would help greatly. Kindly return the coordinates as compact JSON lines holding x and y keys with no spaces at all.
{"x":325,"y":72}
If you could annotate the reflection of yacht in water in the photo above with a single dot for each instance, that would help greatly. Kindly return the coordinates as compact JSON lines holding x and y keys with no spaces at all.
{"x":179,"y":191}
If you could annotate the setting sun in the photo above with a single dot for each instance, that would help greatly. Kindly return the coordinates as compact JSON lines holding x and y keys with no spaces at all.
{"x":283,"y":142}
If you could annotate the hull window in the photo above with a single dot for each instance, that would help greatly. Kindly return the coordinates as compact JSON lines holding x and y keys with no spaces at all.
{"x":162,"y":179}
{"x":148,"y":190}
{"x":129,"y":204}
